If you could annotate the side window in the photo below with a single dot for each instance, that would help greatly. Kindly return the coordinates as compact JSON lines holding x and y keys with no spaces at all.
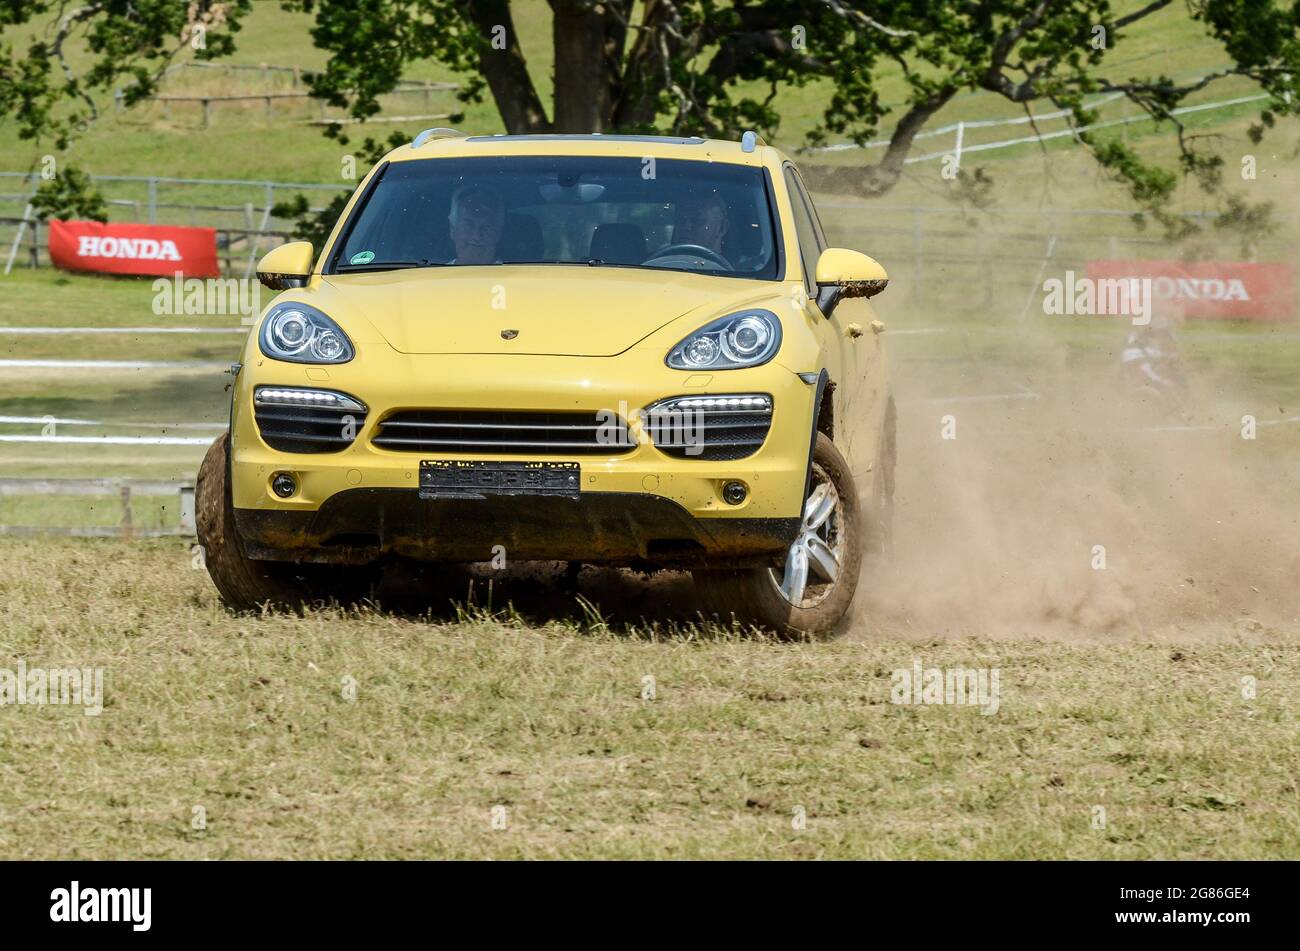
{"x":822,"y":243}
{"x":805,"y":228}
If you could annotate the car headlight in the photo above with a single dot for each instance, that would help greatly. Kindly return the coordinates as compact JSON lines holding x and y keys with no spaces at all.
{"x":298,"y":333}
{"x":743,"y":339}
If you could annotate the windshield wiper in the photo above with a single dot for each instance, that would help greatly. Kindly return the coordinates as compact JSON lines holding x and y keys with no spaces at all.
{"x":380,"y":266}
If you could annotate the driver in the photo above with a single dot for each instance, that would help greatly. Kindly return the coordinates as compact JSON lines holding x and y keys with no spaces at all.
{"x":476,"y":219}
{"x":702,"y":221}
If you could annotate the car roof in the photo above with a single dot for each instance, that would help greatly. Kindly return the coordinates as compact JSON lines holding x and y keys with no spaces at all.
{"x":447,"y":143}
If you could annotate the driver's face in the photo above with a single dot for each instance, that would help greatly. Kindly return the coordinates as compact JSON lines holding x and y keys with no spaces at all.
{"x":475,"y":232}
{"x":704,"y":224}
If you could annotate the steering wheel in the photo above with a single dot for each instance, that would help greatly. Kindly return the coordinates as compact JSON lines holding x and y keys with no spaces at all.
{"x":697,"y":250}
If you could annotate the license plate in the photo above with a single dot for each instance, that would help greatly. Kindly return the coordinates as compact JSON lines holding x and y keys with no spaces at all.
{"x":478,"y":480}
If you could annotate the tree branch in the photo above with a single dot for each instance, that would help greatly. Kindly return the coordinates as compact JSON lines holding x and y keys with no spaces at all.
{"x":860,"y":19}
{"x":67,"y":24}
{"x":1146,"y":11}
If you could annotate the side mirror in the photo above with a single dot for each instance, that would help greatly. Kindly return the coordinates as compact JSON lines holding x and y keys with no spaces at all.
{"x":287,"y":266}
{"x":843,"y":273}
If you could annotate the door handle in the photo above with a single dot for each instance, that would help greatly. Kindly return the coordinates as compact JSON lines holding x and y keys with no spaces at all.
{"x":877,"y":327}
{"x":853,"y":330}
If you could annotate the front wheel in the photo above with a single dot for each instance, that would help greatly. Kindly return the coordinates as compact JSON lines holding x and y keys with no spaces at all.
{"x":811,"y":588}
{"x":245,"y":583}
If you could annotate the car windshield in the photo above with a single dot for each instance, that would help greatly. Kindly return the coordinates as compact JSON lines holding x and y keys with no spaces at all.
{"x":671,"y":214}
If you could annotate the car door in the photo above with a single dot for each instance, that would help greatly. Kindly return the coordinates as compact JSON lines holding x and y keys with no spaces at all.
{"x":839,"y":328}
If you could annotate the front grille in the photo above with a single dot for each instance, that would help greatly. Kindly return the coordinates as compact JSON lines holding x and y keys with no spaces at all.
{"x":715,"y":428}
{"x":290,"y":422}
{"x":512,"y":432}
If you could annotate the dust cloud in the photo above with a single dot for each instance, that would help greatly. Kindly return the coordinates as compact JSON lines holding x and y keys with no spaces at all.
{"x":996,"y":530}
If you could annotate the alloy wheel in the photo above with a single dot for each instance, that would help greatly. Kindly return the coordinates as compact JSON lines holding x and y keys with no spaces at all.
{"x":812,"y":565}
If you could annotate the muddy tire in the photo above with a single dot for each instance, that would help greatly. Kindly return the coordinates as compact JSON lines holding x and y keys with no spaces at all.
{"x":808,"y":593}
{"x":245,"y":583}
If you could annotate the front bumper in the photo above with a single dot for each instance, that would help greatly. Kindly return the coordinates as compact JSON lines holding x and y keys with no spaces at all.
{"x":360,"y":525}
{"x":641,"y":505}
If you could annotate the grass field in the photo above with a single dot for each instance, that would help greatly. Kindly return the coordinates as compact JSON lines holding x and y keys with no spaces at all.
{"x":1146,"y":711}
{"x":246,"y":718}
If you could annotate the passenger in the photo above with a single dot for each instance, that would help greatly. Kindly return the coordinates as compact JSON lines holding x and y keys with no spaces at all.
{"x":702,"y":221}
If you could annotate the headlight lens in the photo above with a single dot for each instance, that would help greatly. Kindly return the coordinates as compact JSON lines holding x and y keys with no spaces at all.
{"x":744,"y":339}
{"x":299,"y":333}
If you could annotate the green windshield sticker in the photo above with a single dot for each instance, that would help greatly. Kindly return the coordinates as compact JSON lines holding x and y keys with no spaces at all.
{"x":362,"y":257}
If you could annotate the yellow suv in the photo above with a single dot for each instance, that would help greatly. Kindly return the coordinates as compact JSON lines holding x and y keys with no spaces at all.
{"x":606,"y":349}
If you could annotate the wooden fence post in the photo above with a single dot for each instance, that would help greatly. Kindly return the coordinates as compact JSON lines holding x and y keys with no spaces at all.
{"x":187,"y":509}
{"x":986,"y":265}
{"x":128,"y":530}
{"x":918,"y":265}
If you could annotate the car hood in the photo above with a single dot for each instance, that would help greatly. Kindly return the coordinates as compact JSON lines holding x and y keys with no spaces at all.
{"x":550,"y":309}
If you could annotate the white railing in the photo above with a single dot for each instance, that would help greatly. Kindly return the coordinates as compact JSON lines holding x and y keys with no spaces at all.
{"x":958,"y":129}
{"x":257,"y":218}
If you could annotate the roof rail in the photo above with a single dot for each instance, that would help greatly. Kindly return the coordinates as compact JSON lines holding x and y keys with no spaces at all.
{"x":439,"y":132}
{"x":750,"y":140}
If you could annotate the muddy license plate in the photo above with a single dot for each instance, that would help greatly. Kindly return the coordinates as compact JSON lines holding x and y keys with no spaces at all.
{"x":478,"y":480}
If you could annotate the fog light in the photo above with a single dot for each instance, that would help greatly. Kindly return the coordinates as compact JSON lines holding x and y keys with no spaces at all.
{"x":284,"y":485}
{"x":733,"y":493}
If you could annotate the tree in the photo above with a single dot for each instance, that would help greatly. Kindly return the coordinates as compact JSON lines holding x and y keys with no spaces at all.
{"x":689,"y":66}
{"x":128,"y":44}
{"x":677,"y":67}
{"x":69,"y":195}
{"x":315,"y":226}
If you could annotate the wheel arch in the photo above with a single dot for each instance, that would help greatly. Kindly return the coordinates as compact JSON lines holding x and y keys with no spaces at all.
{"x":823,"y":421}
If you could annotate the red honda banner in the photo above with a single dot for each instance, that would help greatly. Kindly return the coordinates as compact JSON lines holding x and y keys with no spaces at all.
{"x":1211,"y":288}
{"x":134,"y":248}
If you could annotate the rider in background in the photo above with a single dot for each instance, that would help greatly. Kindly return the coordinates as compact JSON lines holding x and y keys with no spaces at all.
{"x":1151,"y":361}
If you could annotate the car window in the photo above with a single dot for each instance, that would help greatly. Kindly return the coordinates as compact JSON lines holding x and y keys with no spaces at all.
{"x":804,"y":226}
{"x":672,"y":214}
{"x":822,"y":243}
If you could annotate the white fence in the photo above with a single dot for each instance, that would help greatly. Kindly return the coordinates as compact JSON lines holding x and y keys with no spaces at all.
{"x":960,"y":129}
{"x":239,"y":209}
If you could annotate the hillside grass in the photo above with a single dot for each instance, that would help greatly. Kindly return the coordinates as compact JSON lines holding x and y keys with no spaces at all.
{"x":241,"y":143}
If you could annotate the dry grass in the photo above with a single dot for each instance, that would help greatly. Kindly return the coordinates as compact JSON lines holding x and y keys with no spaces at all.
{"x":454,"y":714}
